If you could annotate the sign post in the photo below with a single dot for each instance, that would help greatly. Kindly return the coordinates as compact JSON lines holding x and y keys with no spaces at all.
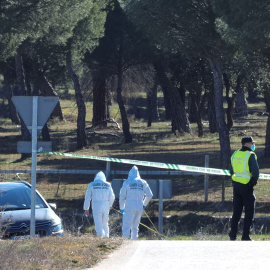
{"x":34,"y":166}
{"x":160,"y":207}
{"x":35,"y":112}
{"x":206,"y":178}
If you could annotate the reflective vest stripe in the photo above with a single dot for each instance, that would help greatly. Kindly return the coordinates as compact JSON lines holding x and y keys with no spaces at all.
{"x":242,"y":175}
{"x":245,"y":162}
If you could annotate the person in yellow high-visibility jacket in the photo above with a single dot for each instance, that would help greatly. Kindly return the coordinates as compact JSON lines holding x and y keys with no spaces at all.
{"x":245,"y":174}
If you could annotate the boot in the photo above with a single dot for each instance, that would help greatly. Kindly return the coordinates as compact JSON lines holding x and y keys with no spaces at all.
{"x":232,"y":236}
{"x":246,"y":238}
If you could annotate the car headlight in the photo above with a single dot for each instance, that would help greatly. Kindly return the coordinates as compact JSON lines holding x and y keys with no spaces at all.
{"x":57,"y":228}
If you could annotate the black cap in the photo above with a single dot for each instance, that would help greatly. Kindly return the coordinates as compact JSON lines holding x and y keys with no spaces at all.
{"x":247,"y":139}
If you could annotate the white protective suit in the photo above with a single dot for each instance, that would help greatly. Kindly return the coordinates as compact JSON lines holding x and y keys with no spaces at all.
{"x":102,"y":196}
{"x":134,"y":195}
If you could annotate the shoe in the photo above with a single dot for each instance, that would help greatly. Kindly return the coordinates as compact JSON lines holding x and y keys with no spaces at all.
{"x":246,"y":239}
{"x":232,"y":237}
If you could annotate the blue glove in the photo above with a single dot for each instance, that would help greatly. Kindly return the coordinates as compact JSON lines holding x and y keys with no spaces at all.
{"x":144,"y":207}
{"x":122,"y":211}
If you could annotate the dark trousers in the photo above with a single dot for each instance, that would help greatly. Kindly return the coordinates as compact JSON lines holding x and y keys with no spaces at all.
{"x":242,"y":197}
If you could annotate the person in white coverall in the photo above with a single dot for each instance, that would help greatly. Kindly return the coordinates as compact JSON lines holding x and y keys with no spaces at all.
{"x":135,"y":194}
{"x":102,"y":196}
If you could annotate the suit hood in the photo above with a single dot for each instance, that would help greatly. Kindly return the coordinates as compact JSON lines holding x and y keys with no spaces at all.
{"x":134,"y":174}
{"x":100,"y":176}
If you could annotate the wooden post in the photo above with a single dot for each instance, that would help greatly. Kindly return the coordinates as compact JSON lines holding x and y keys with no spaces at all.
{"x":108,"y":169}
{"x":206,"y":177}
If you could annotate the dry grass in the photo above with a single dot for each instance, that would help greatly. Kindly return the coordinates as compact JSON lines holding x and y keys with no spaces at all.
{"x":155,"y":143}
{"x":68,"y":252}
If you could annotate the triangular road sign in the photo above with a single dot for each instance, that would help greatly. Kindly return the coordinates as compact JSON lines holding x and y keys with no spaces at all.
{"x":24,"y":106}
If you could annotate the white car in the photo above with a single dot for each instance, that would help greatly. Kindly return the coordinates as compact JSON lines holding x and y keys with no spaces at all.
{"x":15,"y":212}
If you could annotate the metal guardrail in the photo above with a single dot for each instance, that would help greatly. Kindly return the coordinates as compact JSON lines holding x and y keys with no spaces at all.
{"x":112,"y":172}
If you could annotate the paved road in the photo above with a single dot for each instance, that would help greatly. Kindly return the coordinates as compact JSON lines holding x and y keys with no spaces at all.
{"x":186,"y":255}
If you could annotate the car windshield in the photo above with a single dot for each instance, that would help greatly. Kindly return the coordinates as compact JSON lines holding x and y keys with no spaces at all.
{"x":18,"y":197}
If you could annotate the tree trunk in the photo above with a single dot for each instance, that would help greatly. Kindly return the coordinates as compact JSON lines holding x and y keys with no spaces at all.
{"x":192,"y":108}
{"x":199,"y":115}
{"x":252,"y":95}
{"x":26,"y":136}
{"x":166,"y":100}
{"x":211,"y":111}
{"x":12,"y":109}
{"x":266,"y":95}
{"x":35,"y":81}
{"x":46,"y":89}
{"x":230,"y":102}
{"x":178,"y":114}
{"x":81,"y":133}
{"x":28,"y":85}
{"x":240,"y":105}
{"x":267,"y":138}
{"x":166,"y":103}
{"x":99,"y":101}
{"x":240,"y":100}
{"x":154,"y":102}
{"x":223,"y":131}
{"x":125,"y":123}
{"x":152,"y":105}
{"x":108,"y":102}
{"x":182,"y":92}
{"x":196,"y":104}
{"x":45,"y":133}
{"x":149,"y":109}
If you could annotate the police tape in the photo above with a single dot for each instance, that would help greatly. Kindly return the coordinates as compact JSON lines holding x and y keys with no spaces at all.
{"x":168,"y":166}
{"x":153,"y":230}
